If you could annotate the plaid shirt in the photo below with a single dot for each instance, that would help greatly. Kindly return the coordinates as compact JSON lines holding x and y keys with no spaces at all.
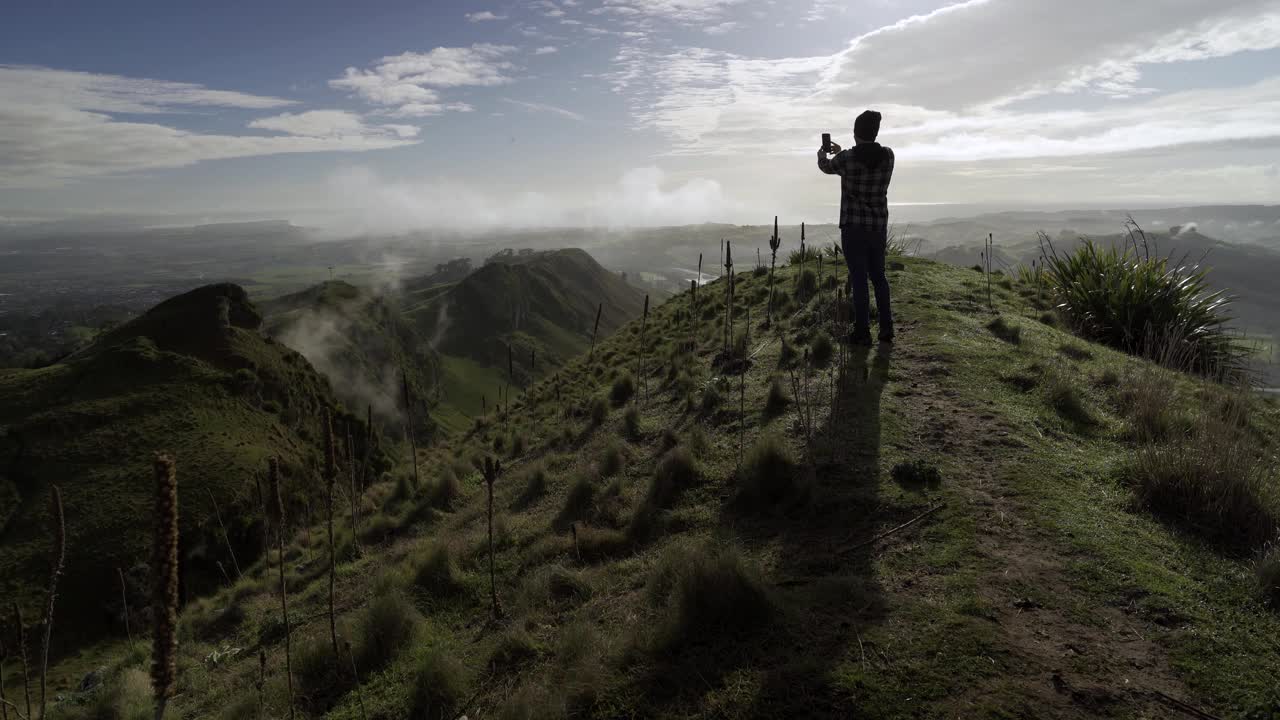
{"x":864,"y":193}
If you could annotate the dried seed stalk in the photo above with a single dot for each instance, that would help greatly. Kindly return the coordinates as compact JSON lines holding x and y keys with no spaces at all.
{"x":59,"y":531}
{"x":276,"y":504}
{"x":164,"y":584}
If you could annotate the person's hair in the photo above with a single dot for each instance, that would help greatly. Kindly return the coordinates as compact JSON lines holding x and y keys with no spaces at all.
{"x":867,"y":126}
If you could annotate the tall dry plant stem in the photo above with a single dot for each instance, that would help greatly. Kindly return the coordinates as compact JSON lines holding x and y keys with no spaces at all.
{"x":330,"y":481}
{"x":492,"y":468}
{"x":59,"y":532}
{"x":728,"y":299}
{"x":408,"y":414}
{"x":774,"y":243}
{"x":353,"y":496}
{"x":164,"y":584}
{"x":21,"y":629}
{"x":226,"y":538}
{"x":355,"y":679}
{"x":640,"y":378}
{"x":124,"y":603}
{"x":276,"y":511}
{"x":595,"y":331}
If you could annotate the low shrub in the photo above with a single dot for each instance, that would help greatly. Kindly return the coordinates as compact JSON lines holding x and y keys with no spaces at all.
{"x":1147,"y":306}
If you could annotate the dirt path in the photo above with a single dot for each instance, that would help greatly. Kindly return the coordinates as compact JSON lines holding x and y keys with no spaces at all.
{"x":1064,"y":656}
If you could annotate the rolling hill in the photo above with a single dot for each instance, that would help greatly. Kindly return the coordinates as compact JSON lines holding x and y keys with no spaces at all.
{"x":193,"y":377}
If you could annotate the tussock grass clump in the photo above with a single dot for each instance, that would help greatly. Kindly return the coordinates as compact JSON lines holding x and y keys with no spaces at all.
{"x":436,"y":573}
{"x":599,"y":411}
{"x":1064,"y":396}
{"x":776,"y":402}
{"x":384,"y":630}
{"x":535,"y":485}
{"x":1049,"y":318}
{"x":612,"y":460}
{"x":439,"y":685}
{"x":669,"y":439}
{"x":675,"y":472}
{"x":1149,"y":402}
{"x":1075,"y":352}
{"x":631,"y":423}
{"x":1006,"y":331}
{"x":1267,"y":571}
{"x":808,"y":285}
{"x":786,"y":354}
{"x":709,"y":593}
{"x":514,"y":648}
{"x":711,"y":398}
{"x":551,"y":586}
{"x":916,"y":473}
{"x":624,"y":387}
{"x":1213,"y":480}
{"x":445,"y":491}
{"x":768,"y":476}
{"x":821,"y":350}
{"x":126,"y":696}
{"x":577,"y":503}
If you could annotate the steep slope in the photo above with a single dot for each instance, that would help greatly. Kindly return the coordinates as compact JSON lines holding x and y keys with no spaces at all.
{"x":944,"y":527}
{"x":362,"y":343}
{"x":192,"y":377}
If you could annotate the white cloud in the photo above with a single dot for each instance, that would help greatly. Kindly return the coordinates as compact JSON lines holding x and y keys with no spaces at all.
{"x":330,"y":123}
{"x":363,"y":202}
{"x":723,"y":28}
{"x":59,"y":126}
{"x":545,"y":108}
{"x":959,"y":100}
{"x":411,"y":81}
{"x":483,"y":16}
{"x":679,"y":11}
{"x":546,"y":50}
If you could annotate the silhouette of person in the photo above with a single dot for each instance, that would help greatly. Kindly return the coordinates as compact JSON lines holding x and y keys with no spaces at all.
{"x":865,"y":171}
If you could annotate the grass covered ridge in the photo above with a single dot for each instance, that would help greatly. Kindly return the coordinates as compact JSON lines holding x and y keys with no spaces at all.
{"x":709,"y":564}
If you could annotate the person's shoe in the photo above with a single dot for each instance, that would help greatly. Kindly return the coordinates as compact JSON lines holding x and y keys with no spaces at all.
{"x":886,"y":336}
{"x":860,"y":337}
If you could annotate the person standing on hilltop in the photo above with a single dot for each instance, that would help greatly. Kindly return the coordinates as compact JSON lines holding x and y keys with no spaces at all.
{"x":865,"y":171}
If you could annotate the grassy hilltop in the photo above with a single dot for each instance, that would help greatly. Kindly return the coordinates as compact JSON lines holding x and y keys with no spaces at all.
{"x":983,"y":520}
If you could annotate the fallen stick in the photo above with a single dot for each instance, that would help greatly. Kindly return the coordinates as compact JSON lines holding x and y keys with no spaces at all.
{"x":891,"y":531}
{"x":1184,"y":707}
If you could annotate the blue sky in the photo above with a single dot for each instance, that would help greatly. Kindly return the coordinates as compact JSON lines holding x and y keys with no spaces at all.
{"x":393,"y":115}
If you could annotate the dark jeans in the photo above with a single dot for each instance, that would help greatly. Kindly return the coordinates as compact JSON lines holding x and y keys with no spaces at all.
{"x":864,"y":252}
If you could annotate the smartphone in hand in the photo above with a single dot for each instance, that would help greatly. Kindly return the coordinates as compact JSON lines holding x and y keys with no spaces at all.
{"x":826,"y":142}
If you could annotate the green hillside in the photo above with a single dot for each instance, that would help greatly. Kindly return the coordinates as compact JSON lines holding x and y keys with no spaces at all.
{"x":542,"y":306}
{"x":961,"y":524}
{"x":362,"y":343}
{"x":192,"y":377}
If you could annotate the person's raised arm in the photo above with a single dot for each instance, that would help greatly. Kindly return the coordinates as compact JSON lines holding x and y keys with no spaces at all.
{"x":832,"y":165}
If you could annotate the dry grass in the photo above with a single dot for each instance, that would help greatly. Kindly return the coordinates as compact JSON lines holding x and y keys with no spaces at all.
{"x":440,"y":683}
{"x":768,"y":477}
{"x":708,"y":593}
